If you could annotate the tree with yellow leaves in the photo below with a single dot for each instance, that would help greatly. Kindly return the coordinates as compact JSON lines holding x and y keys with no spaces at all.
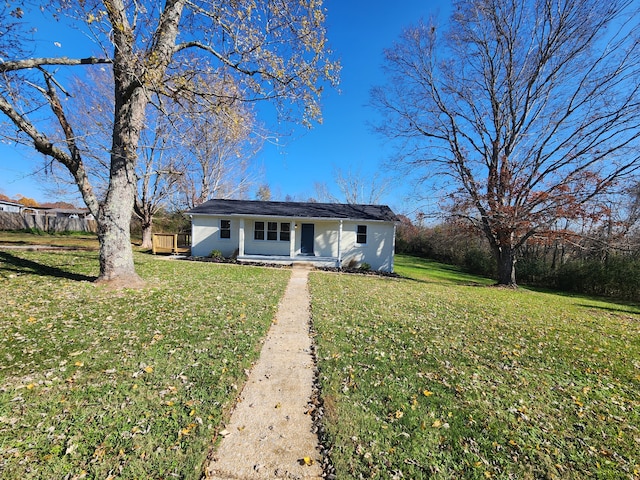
{"x":274,"y":50}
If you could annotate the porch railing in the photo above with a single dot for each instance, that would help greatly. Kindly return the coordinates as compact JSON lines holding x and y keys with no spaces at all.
{"x":171,"y":243}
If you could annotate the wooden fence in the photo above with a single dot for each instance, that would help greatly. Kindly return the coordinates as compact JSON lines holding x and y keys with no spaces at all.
{"x":171,"y":243}
{"x":25,"y":221}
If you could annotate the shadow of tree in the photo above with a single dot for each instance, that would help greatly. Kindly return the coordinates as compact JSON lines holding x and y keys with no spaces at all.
{"x":13,"y":263}
{"x":630,"y":309}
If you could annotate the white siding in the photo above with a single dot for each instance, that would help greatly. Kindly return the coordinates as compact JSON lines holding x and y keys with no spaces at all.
{"x":325,"y":241}
{"x":205,"y":236}
{"x":9,"y":207}
{"x":377,"y":251}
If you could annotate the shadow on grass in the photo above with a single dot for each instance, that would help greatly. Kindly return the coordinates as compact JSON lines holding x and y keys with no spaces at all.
{"x":622,"y":305}
{"x":631,"y":309}
{"x":19,"y":265}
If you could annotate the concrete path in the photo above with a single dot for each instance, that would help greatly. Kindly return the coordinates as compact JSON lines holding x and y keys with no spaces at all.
{"x":269,"y":434}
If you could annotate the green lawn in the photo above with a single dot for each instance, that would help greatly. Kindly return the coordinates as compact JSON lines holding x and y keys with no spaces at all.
{"x":440,"y":376}
{"x":75,"y":239}
{"x":96,"y":383}
{"x":435,"y":375}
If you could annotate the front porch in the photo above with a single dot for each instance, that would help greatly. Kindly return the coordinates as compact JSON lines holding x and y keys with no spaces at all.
{"x":331,"y":262}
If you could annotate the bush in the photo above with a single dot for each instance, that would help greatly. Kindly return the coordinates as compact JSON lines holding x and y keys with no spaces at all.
{"x":616,"y":277}
{"x":533,"y":270}
{"x":217,"y":254}
{"x":479,"y":262}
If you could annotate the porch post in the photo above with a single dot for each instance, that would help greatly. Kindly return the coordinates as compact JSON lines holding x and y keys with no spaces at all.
{"x":340,"y":245}
{"x":292,"y":239}
{"x":241,"y":238}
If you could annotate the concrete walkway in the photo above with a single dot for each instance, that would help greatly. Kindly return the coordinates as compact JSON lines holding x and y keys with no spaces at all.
{"x":269,"y":434}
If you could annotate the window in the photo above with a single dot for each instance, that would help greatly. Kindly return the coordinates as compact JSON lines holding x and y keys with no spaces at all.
{"x":225,"y":228}
{"x":258,"y":231}
{"x":285,"y":232}
{"x":361,"y":236}
{"x":272,"y":231}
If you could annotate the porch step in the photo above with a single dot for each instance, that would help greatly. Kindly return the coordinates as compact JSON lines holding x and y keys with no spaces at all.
{"x":297,"y":264}
{"x":308,"y":262}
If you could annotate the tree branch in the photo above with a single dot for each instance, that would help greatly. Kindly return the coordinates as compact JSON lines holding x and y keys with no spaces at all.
{"x":12,"y":66}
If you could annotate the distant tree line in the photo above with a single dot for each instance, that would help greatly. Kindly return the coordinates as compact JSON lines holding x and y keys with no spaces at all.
{"x":30,"y":202}
{"x":603,"y":260}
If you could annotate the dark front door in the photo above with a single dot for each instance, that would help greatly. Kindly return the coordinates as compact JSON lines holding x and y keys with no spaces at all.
{"x":306,"y":239}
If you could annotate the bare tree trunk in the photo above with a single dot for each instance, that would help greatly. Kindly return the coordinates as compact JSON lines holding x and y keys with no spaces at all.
{"x":114,"y":219}
{"x":116,"y":255}
{"x":147,"y":231}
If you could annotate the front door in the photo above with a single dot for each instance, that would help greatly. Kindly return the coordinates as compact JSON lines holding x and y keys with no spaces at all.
{"x":306,"y":239}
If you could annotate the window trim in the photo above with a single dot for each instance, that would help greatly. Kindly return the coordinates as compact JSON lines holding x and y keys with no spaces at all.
{"x":225,"y":232}
{"x":360,"y":234}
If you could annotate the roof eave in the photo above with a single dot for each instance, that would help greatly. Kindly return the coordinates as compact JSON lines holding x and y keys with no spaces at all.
{"x":294,"y":218}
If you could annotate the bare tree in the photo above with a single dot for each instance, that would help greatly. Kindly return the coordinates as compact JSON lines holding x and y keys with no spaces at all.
{"x":523,"y":111}
{"x":192,"y":147}
{"x":274,"y":50}
{"x":219,"y":140}
{"x":158,"y":172}
{"x":355,"y":187}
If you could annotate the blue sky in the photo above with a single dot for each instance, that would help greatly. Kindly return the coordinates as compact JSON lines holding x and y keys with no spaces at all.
{"x":358,"y":31}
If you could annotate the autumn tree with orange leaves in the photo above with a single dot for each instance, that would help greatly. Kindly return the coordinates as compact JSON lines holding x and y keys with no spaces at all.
{"x":521,"y":112}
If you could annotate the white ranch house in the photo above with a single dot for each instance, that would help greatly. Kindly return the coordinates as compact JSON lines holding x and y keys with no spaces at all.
{"x":325,"y":234}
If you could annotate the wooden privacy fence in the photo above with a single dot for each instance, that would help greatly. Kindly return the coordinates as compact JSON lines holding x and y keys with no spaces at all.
{"x":22,"y":221}
{"x":171,"y":243}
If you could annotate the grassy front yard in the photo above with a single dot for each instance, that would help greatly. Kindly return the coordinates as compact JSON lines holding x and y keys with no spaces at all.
{"x":122,"y":384}
{"x":439,"y":376}
{"x":432,"y":376}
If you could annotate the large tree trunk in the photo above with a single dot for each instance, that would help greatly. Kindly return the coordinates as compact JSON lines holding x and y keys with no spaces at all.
{"x":131,"y":78}
{"x":147,"y":226}
{"x":114,"y":219}
{"x":116,"y":255}
{"x":114,"y":227}
{"x":506,"y":261}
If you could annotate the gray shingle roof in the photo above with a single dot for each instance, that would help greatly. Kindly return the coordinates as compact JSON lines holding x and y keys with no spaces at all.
{"x":295,"y":209}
